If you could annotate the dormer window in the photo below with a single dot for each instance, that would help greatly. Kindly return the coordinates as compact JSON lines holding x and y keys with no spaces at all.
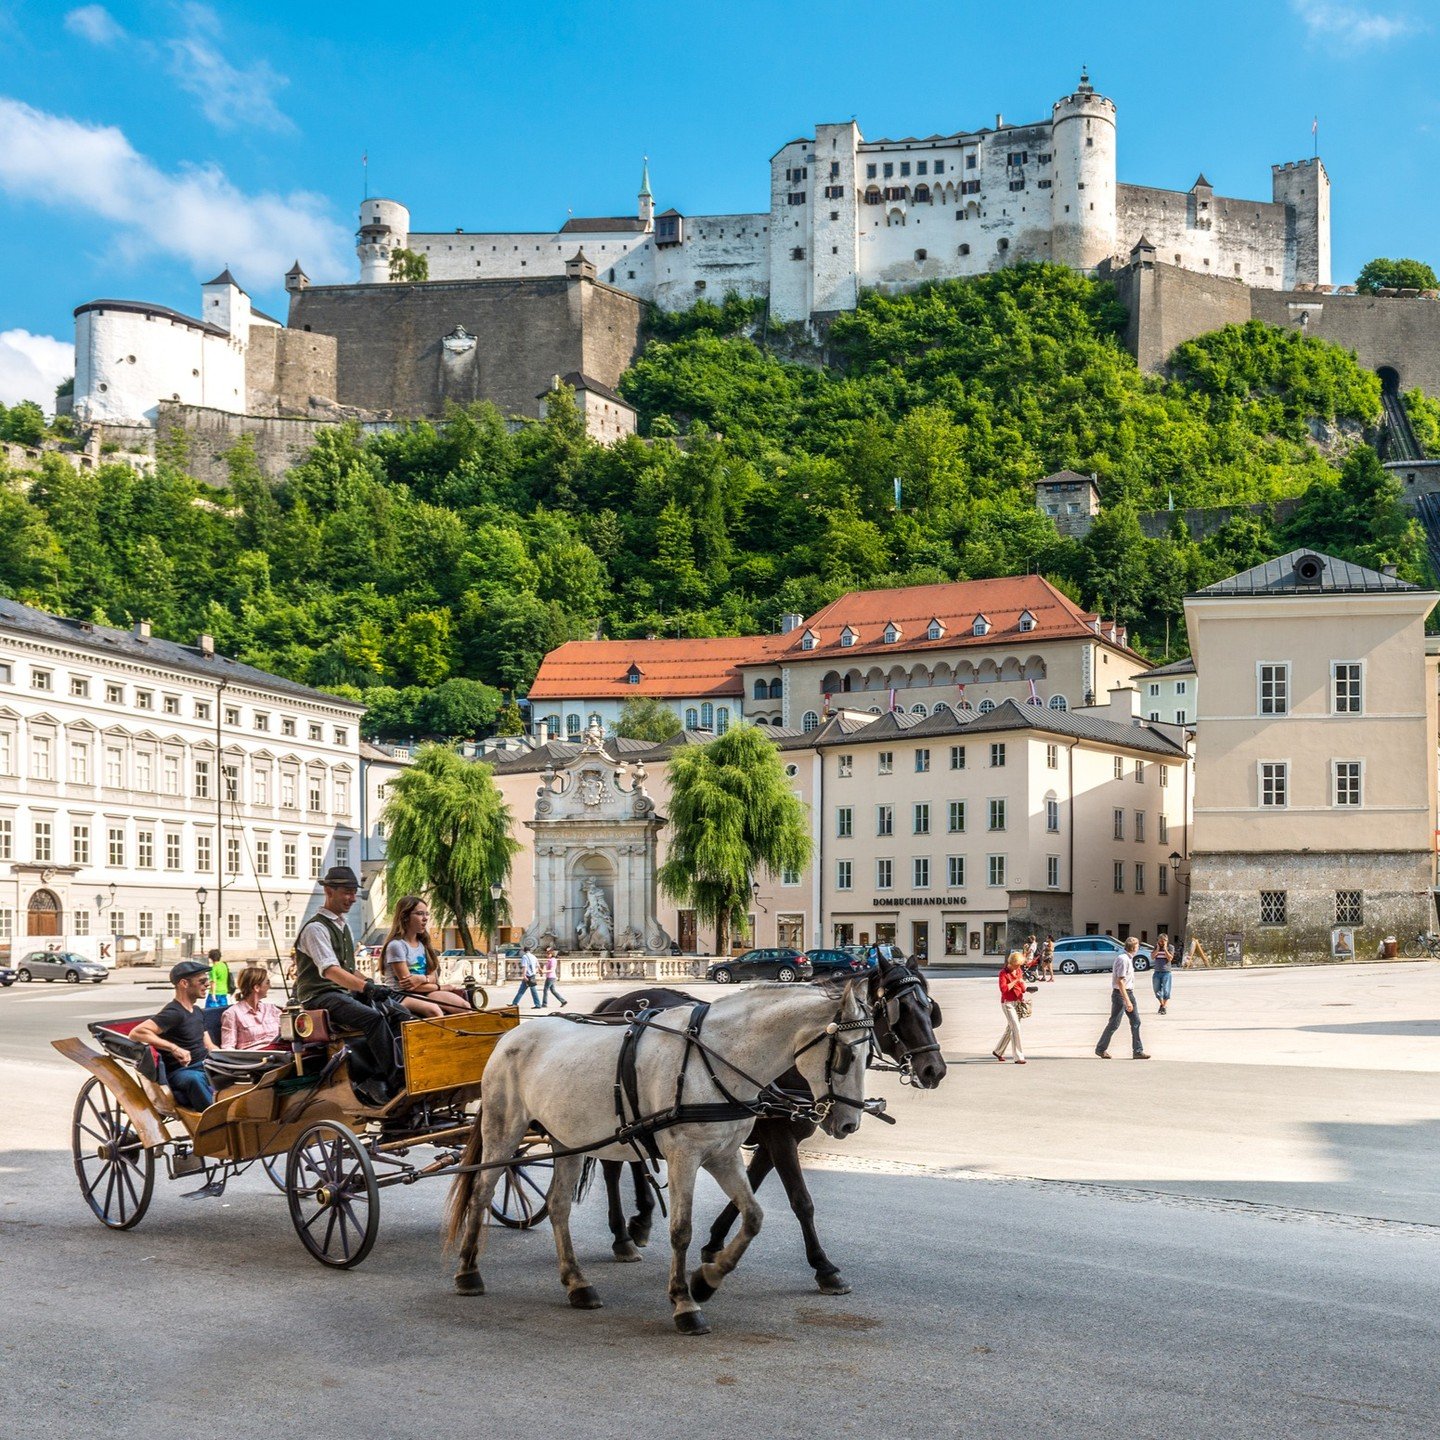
{"x":1027,"y":621}
{"x":892,"y":633}
{"x":809,"y":640}
{"x":633,"y":675}
{"x":981,"y":626}
{"x":848,"y":637}
{"x":934,"y":630}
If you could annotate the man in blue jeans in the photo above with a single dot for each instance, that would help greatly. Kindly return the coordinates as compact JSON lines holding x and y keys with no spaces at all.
{"x":1122,"y":1002}
{"x":178,"y":1033}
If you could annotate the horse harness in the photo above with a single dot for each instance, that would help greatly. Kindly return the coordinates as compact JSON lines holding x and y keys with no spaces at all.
{"x":888,"y":996}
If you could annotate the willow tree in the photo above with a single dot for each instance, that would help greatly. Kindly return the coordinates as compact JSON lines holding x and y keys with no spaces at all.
{"x":732,"y":813}
{"x":447,"y":837}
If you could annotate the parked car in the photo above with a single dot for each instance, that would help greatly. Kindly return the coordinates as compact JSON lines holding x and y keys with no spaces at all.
{"x":771,"y":964}
{"x":1077,"y":954}
{"x":7,"y":976}
{"x":845,"y":960}
{"x":59,"y":965}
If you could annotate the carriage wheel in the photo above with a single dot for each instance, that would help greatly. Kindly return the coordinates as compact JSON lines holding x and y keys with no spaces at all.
{"x":522,"y":1198}
{"x":274,"y":1168}
{"x":334,"y":1200}
{"x":116,"y":1172}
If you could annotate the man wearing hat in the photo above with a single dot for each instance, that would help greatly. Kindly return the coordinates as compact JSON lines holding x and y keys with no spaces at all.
{"x":325,"y":979}
{"x":178,"y":1033}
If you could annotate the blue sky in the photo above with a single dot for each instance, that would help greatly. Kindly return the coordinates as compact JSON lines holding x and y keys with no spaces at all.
{"x":144,"y":144}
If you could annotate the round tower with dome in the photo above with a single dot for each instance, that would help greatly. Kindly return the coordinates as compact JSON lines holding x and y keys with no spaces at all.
{"x":1082,"y":197}
{"x":384,"y":229}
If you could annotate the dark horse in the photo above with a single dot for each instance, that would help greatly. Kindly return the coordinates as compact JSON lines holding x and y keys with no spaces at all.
{"x":905,"y":1018}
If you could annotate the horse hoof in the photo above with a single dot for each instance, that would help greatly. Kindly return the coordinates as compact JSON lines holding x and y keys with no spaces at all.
{"x":626,"y":1253}
{"x":692,"y":1322}
{"x":639,"y":1233}
{"x":585,"y":1298}
{"x":700,"y":1288}
{"x":468,"y":1282}
{"x":832,"y":1284}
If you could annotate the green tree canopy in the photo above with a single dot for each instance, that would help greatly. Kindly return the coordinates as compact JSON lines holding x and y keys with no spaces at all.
{"x":408,"y":266}
{"x":447,"y":837}
{"x":645,"y":718}
{"x":1380,"y":274}
{"x":458,"y":709}
{"x":732,"y":814}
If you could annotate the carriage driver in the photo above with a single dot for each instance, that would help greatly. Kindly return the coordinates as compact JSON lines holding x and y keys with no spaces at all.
{"x":325,"y":979}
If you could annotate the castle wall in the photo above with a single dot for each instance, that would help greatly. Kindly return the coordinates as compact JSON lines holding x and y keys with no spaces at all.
{"x":525,"y":332}
{"x":1206,"y":233}
{"x":720,"y":254}
{"x":1168,"y":306}
{"x":460,"y":256}
{"x":284,"y":368}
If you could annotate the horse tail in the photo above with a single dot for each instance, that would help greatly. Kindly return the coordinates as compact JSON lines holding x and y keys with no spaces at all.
{"x":462,"y":1188}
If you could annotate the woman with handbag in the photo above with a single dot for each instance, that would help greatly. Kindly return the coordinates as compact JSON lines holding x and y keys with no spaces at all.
{"x":1012,"y":999}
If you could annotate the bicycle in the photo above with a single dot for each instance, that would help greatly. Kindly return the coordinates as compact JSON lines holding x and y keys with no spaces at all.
{"x":1425,"y":942}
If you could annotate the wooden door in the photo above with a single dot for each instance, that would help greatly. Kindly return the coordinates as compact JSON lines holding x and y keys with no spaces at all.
{"x":687,"y":936}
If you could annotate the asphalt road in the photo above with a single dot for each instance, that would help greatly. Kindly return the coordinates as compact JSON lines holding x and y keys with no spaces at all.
{"x":1237,"y":1238}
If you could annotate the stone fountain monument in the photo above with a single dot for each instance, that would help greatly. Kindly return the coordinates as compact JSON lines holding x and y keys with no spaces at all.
{"x":595,"y":842}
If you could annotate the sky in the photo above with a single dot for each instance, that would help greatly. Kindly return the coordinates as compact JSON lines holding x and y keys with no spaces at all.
{"x":146,"y":144}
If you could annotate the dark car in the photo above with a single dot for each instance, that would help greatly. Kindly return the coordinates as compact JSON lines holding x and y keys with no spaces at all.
{"x":777,"y":963}
{"x":7,"y":976}
{"x":60,"y":965}
{"x":845,"y":960}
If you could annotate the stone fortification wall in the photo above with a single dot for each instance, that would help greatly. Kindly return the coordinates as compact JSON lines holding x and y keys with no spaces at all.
{"x":1203,"y":522}
{"x":284,"y":369}
{"x":1169,"y":305}
{"x":1210,"y":234}
{"x":401,"y":348}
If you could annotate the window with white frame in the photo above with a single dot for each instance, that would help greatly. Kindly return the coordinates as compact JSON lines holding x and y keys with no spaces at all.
{"x":1118,"y":877}
{"x":79,"y":763}
{"x":7,"y":924}
{"x":1180,"y":687}
{"x":1059,"y":702}
{"x":342,"y":852}
{"x":1162,"y":878}
{"x":144,"y":771}
{"x":172,"y":924}
{"x":232,"y":854}
{"x":287,"y":726}
{"x":995,"y":867}
{"x":920,"y":872}
{"x":42,"y":757}
{"x":809,"y":721}
{"x":79,"y":687}
{"x":232,"y":925}
{"x":1052,"y":871}
{"x":7,"y":752}
{"x":1164,"y":832}
{"x":1274,"y":783}
{"x":1052,"y":815}
{"x":886,"y":762}
{"x":7,"y":838}
{"x":44,"y":841}
{"x":1164,"y":776}
{"x":884,"y":819}
{"x":172,"y":850}
{"x":1118,"y":820}
{"x":844,"y":874}
{"x":845,"y":764}
{"x":922,"y":761}
{"x":957,"y":817}
{"x":1154,"y":688}
{"x":997,"y":756}
{"x":934,"y":630}
{"x":957,"y":757}
{"x":287,"y":790}
{"x":986,"y":706}
{"x":42,"y":680}
{"x":289,"y":927}
{"x":891,"y":633}
{"x":116,"y":845}
{"x":204,"y":853}
{"x":202,"y":709}
{"x":1273,"y":684}
{"x":997,"y":815}
{"x":171,"y":704}
{"x":145,"y":924}
{"x":1348,"y":775}
{"x":790,"y":877}
{"x":202,"y":779}
{"x":1119,"y":767}
{"x":145,"y":849}
{"x":955,"y":871}
{"x":262,"y":928}
{"x":79,"y":844}
{"x":1052,"y":757}
{"x":170,"y":774}
{"x":1140,"y":826}
{"x":114,"y":694}
{"x":707,"y":716}
{"x":114,"y":767}
{"x":144,"y":699}
{"x":1139,"y":772}
{"x":1139,"y":878}
{"x":342,"y":735}
{"x":844,"y":821}
{"x":847,"y":638}
{"x":315,"y":794}
{"x":1347,"y":695}
{"x":80,"y":922}
{"x":317,"y":861}
{"x":921,"y":818}
{"x":884,"y":874}
{"x":1349,"y":907}
{"x":290,"y":854}
{"x":1272,"y":907}
{"x":231,"y":776}
{"x":262,"y":857}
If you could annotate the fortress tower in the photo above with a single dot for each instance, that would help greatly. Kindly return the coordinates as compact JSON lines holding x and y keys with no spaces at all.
{"x":1083,"y":195}
{"x":1303,"y":188}
{"x":647,"y":200}
{"x":384,"y":228}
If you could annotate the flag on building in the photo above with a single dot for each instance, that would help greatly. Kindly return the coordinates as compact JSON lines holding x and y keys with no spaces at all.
{"x":1034,"y":694}
{"x":892,"y":697}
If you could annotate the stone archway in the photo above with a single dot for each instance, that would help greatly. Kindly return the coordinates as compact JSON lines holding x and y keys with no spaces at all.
{"x":42,"y":915}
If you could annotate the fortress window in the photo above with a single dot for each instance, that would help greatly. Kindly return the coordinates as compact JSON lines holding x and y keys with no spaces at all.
{"x":631,"y":273}
{"x":1017,"y":184}
{"x":920,"y":254}
{"x":797,"y":197}
{"x":904,"y":167}
{"x":1043,"y":159}
{"x":889,"y":170}
{"x":1044,"y":184}
{"x":798,"y":253}
{"x":964,"y":249}
{"x":195,"y":372}
{"x":834,"y":214}
{"x":939,"y":167}
{"x":869,"y":172}
{"x":921,"y":167}
{"x":1002,"y":244}
{"x":834,"y":168}
{"x":1089,"y":141}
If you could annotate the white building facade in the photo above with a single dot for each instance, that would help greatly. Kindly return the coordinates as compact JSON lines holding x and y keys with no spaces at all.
{"x":848,"y":214}
{"x":158,"y":798}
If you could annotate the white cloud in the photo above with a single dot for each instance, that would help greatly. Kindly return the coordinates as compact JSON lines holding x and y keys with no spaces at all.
{"x":230,"y":96}
{"x":1351,"y":25}
{"x":95,"y":24}
{"x":197,"y":213}
{"x":31,"y":366}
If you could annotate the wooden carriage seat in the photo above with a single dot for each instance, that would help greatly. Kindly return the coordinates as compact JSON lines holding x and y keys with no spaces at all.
{"x":114,"y":1037}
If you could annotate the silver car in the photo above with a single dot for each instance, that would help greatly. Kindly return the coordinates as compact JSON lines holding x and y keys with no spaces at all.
{"x":1077,"y":953}
{"x":59,"y":965}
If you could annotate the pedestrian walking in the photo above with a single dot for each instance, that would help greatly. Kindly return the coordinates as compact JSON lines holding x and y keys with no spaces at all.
{"x":1047,"y":959}
{"x":1012,"y":992}
{"x":1162,"y":958}
{"x":1122,"y":1002}
{"x":529,"y":968}
{"x":550,"y":967}
{"x":219,"y":996}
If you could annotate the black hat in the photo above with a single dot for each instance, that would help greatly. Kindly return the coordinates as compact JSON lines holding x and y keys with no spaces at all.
{"x":340,"y":877}
{"x":186,"y":968}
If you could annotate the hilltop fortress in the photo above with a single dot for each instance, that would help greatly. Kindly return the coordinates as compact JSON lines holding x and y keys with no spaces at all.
{"x":849,"y":214}
{"x":505,"y":317}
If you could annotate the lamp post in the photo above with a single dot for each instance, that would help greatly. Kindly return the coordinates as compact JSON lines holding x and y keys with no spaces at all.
{"x":497,"y":894}
{"x":202,"y":895}
{"x":1184,"y":880}
{"x":102,"y":904}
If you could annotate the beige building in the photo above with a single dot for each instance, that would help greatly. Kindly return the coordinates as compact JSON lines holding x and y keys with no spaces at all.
{"x":1315,"y":800}
{"x":955,"y":834}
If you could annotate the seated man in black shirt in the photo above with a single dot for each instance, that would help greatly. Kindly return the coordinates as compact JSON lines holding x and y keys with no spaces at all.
{"x":178,"y":1033}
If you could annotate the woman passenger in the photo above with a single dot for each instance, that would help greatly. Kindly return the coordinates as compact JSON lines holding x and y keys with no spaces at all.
{"x":252,"y":1022}
{"x":410,"y":964}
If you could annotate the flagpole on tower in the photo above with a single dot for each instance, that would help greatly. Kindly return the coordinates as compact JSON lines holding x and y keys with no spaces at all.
{"x":1315,"y":138}
{"x":365,"y":170}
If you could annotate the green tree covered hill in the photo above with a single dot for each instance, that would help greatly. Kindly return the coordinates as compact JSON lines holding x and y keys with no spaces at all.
{"x":462,"y":553}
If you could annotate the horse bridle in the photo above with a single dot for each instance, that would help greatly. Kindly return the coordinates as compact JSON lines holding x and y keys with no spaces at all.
{"x":838,"y":1060}
{"x":887,"y":1001}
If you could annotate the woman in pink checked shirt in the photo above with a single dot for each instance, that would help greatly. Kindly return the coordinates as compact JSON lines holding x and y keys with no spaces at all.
{"x":252,"y":1022}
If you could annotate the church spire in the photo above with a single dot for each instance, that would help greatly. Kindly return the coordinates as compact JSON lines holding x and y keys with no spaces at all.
{"x":647,"y":200}
{"x":645,"y":177}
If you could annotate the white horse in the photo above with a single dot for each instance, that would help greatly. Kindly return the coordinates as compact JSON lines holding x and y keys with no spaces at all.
{"x":563,"y":1076}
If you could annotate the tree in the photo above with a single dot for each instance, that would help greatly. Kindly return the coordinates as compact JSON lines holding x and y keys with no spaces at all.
{"x":510,"y":721}
{"x":25,"y":424}
{"x":458,"y":709}
{"x":645,"y":718}
{"x":1380,"y":274}
{"x":447,"y":834}
{"x":732,"y":813}
{"x":408,"y":267}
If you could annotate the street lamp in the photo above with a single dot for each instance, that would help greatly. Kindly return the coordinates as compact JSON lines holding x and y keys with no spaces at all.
{"x":202,"y":895}
{"x":1184,"y":880}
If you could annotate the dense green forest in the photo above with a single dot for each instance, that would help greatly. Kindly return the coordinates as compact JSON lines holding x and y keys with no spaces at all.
{"x":408,"y":567}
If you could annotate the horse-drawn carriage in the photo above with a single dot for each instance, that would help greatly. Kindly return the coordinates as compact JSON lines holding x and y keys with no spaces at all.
{"x":291,"y":1108}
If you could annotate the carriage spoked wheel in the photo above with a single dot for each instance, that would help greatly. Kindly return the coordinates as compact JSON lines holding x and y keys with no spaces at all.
{"x":274,"y":1168}
{"x":334,"y":1200}
{"x":522,"y":1198}
{"x":116,"y":1172}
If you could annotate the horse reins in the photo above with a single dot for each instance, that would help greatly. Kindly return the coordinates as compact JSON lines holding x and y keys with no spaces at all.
{"x":889,"y":997}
